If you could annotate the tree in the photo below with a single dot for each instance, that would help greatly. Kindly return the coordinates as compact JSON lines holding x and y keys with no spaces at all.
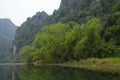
{"x":90,"y":39}
{"x":27,"y":53}
{"x":112,"y":28}
{"x":50,"y":41}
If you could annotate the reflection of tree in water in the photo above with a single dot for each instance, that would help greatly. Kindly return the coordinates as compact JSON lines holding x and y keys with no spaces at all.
{"x":14,"y":72}
{"x":60,"y":73}
{"x":51,"y":73}
{"x":8,"y":72}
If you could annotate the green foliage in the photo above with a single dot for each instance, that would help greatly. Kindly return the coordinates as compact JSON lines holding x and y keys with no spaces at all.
{"x":112,"y":28}
{"x":27,"y":53}
{"x":71,"y":41}
{"x":60,"y":42}
{"x":116,"y":7}
{"x":50,"y":41}
{"x":26,"y":32}
{"x":90,"y":39}
{"x":111,"y":34}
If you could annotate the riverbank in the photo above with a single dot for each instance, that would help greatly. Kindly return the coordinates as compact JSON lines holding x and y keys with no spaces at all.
{"x":111,"y":65}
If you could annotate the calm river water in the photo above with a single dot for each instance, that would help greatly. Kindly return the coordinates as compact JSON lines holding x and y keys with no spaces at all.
{"x":28,"y":72}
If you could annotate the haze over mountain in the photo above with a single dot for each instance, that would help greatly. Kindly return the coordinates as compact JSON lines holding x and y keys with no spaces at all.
{"x":7,"y":34}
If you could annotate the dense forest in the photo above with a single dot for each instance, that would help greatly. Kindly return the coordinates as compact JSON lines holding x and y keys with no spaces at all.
{"x":77,"y":30}
{"x":7,"y":34}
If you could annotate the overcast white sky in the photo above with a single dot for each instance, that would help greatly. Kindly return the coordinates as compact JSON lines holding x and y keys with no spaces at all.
{"x":19,"y":10}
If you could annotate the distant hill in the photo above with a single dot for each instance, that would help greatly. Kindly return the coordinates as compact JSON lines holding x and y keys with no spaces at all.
{"x":26,"y":32}
{"x":7,"y":33}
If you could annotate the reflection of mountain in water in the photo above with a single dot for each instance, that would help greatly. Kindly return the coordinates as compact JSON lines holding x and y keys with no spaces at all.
{"x":9,"y":72}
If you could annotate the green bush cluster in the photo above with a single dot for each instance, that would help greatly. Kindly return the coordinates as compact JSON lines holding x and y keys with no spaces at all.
{"x":71,"y":41}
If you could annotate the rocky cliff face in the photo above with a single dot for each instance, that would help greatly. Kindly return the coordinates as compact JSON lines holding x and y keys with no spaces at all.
{"x":29,"y":28}
{"x":73,"y":10}
{"x":7,"y":34}
{"x":81,"y":3}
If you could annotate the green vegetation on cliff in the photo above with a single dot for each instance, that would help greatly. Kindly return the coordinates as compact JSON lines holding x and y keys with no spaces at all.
{"x":70,"y":41}
{"x":25,"y":34}
{"x":79,"y":29}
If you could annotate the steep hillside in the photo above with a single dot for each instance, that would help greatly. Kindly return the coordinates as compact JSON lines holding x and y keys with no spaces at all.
{"x":26,"y":32}
{"x":78,"y":10}
{"x":7,"y":34}
{"x":69,"y":10}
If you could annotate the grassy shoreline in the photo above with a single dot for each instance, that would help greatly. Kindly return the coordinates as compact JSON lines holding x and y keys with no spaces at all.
{"x":111,"y":65}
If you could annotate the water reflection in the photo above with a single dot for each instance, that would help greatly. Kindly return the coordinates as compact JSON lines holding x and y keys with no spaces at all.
{"x":30,"y":72}
{"x":9,"y":72}
{"x":60,"y":73}
{"x":5,"y":73}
